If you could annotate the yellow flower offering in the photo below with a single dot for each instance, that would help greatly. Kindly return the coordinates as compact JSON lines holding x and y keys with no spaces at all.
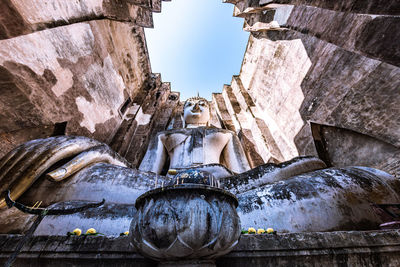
{"x":91,"y":231}
{"x":77,"y":232}
{"x":126,"y":233}
{"x":260,"y":231}
{"x":270,"y":230}
{"x":172,"y":171}
{"x":251,"y":230}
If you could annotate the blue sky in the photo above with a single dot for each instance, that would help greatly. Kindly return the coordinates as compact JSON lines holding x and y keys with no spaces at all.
{"x":197,"y":45}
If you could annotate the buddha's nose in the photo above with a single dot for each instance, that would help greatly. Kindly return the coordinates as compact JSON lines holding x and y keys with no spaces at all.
{"x":196,"y":106}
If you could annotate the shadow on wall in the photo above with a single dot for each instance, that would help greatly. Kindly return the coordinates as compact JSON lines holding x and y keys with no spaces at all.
{"x":341,"y":147}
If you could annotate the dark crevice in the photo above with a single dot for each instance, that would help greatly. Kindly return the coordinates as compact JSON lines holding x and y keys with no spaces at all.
{"x":59,"y":128}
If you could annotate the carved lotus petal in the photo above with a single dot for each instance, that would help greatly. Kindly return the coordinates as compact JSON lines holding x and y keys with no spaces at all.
{"x":228,"y":232}
{"x":158,"y":225}
{"x":178,"y":249}
{"x":198,"y":223}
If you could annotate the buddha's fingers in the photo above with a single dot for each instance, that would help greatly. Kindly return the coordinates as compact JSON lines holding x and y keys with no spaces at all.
{"x":38,"y":159}
{"x":12,"y":153}
{"x":102,"y":153}
{"x":14,"y":156}
{"x":28,"y":156}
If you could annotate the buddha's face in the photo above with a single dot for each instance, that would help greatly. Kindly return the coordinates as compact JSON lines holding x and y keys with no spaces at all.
{"x":196,"y":111}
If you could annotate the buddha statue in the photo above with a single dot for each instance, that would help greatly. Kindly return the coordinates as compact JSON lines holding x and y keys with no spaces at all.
{"x":217,"y":151}
{"x":293,"y":196}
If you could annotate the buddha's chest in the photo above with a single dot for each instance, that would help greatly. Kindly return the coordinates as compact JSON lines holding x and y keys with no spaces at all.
{"x":195,"y":147}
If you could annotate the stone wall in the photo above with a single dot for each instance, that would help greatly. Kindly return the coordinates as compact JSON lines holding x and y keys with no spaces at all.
{"x":375,"y":248}
{"x":333,"y":64}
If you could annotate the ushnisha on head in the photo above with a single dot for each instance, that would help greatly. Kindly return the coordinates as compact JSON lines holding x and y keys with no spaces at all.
{"x":196,"y":112}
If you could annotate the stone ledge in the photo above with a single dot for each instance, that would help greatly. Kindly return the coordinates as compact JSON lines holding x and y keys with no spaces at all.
{"x":353,"y":248}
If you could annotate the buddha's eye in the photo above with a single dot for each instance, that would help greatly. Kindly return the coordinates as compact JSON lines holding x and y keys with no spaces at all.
{"x":202,"y":104}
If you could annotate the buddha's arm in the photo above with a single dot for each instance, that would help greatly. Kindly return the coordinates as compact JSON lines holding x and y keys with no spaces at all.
{"x":102,"y":153}
{"x":155,"y":156}
{"x":234,"y":156}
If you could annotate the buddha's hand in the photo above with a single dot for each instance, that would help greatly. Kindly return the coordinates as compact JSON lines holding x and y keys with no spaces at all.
{"x":20,"y":168}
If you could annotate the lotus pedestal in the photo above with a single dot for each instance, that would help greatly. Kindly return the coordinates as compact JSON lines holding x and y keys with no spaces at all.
{"x":187,"y":224}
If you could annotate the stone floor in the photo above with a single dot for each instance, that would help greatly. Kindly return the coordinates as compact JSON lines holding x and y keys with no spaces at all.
{"x":366,"y":248}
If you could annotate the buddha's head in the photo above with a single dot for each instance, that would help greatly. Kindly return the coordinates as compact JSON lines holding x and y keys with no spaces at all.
{"x":196,"y":112}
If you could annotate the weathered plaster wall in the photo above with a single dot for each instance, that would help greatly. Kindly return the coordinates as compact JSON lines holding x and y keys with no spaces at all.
{"x":71,"y":61}
{"x":80,"y":73}
{"x":330,"y":63}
